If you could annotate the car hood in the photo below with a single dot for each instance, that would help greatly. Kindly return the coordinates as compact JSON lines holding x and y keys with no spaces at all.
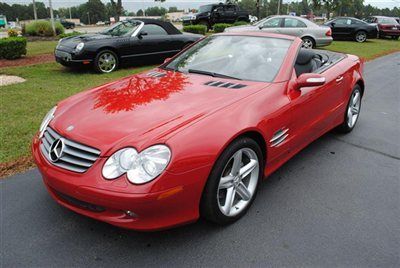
{"x":242,"y":28}
{"x":72,"y":41}
{"x":144,"y":109}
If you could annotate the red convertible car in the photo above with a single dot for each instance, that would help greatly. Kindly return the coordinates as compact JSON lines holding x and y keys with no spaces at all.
{"x":195,"y":136}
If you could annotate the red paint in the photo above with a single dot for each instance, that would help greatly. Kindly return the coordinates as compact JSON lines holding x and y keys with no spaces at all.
{"x":197,"y":122}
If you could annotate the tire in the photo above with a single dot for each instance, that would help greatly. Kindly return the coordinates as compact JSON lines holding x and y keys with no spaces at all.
{"x":395,"y":37}
{"x":308,"y":42}
{"x":352,"y":110}
{"x":214,"y":205}
{"x":101,"y":65}
{"x":360,"y":37}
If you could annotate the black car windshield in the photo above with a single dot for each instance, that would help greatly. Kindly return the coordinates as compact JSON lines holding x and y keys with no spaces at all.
{"x":239,"y":57}
{"x":122,"y":28}
{"x":206,"y":8}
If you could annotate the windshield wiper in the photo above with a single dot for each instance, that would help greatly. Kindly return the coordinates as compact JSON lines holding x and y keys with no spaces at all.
{"x":193,"y":71}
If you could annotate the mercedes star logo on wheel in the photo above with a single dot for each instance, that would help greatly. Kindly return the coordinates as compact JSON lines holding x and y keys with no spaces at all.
{"x":56,"y":150}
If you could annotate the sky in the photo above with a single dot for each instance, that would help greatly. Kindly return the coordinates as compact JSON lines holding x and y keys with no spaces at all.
{"x":134,"y":5}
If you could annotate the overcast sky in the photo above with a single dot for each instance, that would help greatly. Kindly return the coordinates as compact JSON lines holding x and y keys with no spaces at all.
{"x":134,"y":5}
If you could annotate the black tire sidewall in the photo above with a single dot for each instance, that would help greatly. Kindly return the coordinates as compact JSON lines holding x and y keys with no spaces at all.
{"x":96,"y":61}
{"x":209,"y":208}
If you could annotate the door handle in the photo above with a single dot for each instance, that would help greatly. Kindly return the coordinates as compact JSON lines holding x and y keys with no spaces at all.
{"x":339,"y":79}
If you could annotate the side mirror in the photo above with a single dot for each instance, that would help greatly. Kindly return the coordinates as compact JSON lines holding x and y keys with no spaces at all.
{"x":167,"y":60}
{"x":310,"y":80}
{"x":141,"y":34}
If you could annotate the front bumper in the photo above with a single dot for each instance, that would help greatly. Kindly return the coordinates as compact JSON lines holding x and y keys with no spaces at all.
{"x":70,"y":59}
{"x":91,"y":195}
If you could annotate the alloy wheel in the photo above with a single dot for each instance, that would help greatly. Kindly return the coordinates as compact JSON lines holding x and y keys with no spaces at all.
{"x":238,"y":182}
{"x":353,"y":110}
{"x":361,"y":37}
{"x":307,"y":43}
{"x":107,"y":62}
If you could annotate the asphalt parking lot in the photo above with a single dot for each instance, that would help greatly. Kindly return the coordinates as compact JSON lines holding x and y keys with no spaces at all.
{"x":335,"y":204}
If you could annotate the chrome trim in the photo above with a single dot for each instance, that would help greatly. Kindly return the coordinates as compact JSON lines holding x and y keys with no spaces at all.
{"x":152,"y":53}
{"x":137,"y":31}
{"x":279,"y":137}
{"x":75,"y":157}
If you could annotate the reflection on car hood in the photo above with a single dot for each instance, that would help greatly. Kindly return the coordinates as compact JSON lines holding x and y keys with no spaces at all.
{"x":143,"y":109}
{"x":72,"y":41}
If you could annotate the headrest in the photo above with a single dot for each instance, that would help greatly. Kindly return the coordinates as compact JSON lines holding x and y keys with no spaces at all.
{"x":305,"y":56}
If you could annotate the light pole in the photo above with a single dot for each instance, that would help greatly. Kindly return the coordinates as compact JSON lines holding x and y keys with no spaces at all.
{"x":88,"y":18}
{"x":52,"y":18}
{"x":70,"y":16}
{"x":279,"y":7}
{"x":34,"y":9}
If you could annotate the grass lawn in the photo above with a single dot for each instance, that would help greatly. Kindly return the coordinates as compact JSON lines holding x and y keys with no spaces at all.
{"x":369,"y":50}
{"x":23,"y":106}
{"x":40,"y":47}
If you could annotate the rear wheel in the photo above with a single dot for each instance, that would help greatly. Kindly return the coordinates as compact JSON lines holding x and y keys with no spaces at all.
{"x":233,"y":182}
{"x":106,"y":61}
{"x":395,"y":37}
{"x":352,"y":111}
{"x":361,"y":36}
{"x":308,"y":43}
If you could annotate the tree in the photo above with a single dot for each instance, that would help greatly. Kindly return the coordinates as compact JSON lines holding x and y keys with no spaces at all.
{"x":117,"y":9}
{"x":140,"y":13}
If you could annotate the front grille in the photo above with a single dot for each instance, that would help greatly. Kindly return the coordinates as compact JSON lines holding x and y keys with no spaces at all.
{"x":74,"y":156}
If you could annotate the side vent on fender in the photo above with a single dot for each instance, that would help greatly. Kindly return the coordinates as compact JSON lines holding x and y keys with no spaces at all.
{"x":279,"y":137}
{"x":224,"y":84}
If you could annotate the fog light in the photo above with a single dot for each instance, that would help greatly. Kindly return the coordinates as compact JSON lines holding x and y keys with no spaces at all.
{"x":130,"y":213}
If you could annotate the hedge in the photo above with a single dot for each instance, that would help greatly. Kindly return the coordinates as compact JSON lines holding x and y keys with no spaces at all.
{"x":220,"y":27}
{"x":197,"y":29}
{"x":12,"y":47}
{"x":43,"y":28}
{"x":74,"y":33}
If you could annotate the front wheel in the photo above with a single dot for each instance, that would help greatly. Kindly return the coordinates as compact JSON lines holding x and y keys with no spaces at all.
{"x":106,"y":61}
{"x":361,"y":37}
{"x":352,"y":111}
{"x":233,"y":182}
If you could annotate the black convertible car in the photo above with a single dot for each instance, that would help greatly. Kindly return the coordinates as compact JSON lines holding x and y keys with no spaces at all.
{"x":126,"y":41}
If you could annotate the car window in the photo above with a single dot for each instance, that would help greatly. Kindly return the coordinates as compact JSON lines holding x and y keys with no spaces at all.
{"x":153,"y":29}
{"x":241,"y":57}
{"x":122,"y":28}
{"x":229,"y":8}
{"x":357,"y":22}
{"x":294,"y":23}
{"x":343,"y":21}
{"x":272,"y":23}
{"x":387,"y":21}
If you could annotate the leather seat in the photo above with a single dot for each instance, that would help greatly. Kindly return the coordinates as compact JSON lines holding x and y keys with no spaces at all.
{"x":307,"y":62}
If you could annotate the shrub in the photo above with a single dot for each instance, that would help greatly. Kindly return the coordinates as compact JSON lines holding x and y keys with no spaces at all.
{"x":74,"y":33}
{"x":240,"y":23}
{"x":220,"y":27}
{"x":12,"y":33}
{"x":12,"y":47}
{"x":197,"y":29}
{"x":43,"y":28}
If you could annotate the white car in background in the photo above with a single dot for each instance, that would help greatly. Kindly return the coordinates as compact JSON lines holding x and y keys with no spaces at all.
{"x":312,"y":34}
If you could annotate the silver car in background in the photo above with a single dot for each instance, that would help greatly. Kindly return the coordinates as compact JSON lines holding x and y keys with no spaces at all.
{"x":312,"y":34}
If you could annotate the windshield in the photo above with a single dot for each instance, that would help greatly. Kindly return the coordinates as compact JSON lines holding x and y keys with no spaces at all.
{"x":238,"y":57}
{"x":387,"y":21}
{"x":204,"y":9}
{"x":122,"y":28}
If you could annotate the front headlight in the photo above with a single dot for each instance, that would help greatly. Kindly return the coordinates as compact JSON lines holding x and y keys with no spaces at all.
{"x":79,"y":47}
{"x":193,"y":17}
{"x":140,"y":167}
{"x":46,"y":120}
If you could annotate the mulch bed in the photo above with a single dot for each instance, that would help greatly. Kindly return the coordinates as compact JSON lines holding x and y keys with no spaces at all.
{"x":27,"y":61}
{"x":10,"y":168}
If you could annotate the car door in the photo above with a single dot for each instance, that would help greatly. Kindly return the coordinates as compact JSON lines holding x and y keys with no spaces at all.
{"x":154,"y":40}
{"x":314,"y":109}
{"x":293,"y":26}
{"x":341,"y":28}
{"x":272,"y":25}
{"x":230,"y":14}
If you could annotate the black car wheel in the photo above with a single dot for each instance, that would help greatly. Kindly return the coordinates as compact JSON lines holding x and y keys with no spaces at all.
{"x":361,"y":36}
{"x":106,"y":61}
{"x":395,"y":37}
{"x":233,"y":182}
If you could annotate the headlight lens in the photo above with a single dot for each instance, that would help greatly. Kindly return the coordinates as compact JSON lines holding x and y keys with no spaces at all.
{"x":46,"y":120}
{"x":140,"y":167}
{"x":79,"y":47}
{"x":193,"y":17}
